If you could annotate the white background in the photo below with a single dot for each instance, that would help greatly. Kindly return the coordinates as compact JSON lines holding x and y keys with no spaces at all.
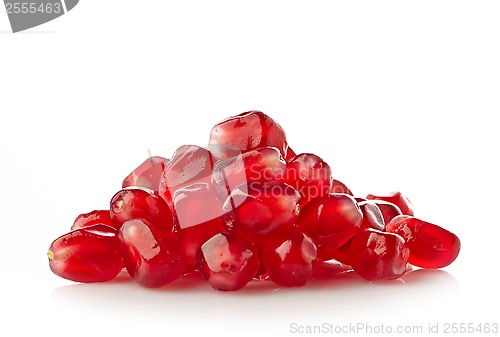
{"x":393,"y":95}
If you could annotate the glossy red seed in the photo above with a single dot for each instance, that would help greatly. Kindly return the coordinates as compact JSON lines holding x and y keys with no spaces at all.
{"x":388,"y":209}
{"x":330,"y":221}
{"x":257,"y":209}
{"x":190,"y":164}
{"x":377,"y":255}
{"x":199,"y":217}
{"x":288,"y":258}
{"x":262,"y":164}
{"x":151,"y":259}
{"x":430,"y":246}
{"x":93,"y":218}
{"x":88,"y":254}
{"x":290,"y":154}
{"x":148,"y":174}
{"x":227,"y":262}
{"x":137,"y":203}
{"x":397,"y":198}
{"x":340,"y":187}
{"x":372,"y":216}
{"x":245,"y":132}
{"x":309,"y":175}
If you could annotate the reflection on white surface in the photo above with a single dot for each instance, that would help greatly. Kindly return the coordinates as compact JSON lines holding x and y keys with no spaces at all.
{"x":190,"y":302}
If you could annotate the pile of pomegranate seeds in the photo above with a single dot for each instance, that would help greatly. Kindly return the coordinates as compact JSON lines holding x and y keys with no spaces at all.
{"x":246,"y":208}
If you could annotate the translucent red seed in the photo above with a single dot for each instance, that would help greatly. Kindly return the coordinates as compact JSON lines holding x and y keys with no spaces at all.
{"x":227,"y":262}
{"x":309,"y":175}
{"x":377,"y":255}
{"x":330,"y":221}
{"x":152,"y":258}
{"x":340,"y":187}
{"x":289,"y":257}
{"x":255,"y":210}
{"x":430,"y":246}
{"x":148,"y":174}
{"x":93,"y":218}
{"x":87,"y":254}
{"x":397,"y":198}
{"x":245,"y":132}
{"x":388,"y":209}
{"x":141,"y":204}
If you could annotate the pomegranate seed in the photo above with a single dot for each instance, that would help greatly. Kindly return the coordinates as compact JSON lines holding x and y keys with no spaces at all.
{"x":257,"y":209}
{"x":288,"y":257}
{"x":150,"y":258}
{"x":372,"y":216}
{"x":397,"y":198}
{"x":136,"y":203}
{"x":190,"y":164}
{"x":245,"y":132}
{"x":388,"y":209}
{"x":309,"y":175}
{"x":377,"y":255}
{"x":227,"y":262}
{"x":330,"y":221}
{"x":340,"y":187}
{"x":198,"y":213}
{"x":92,"y":218}
{"x":87,"y":254}
{"x":148,"y":174}
{"x":290,"y":154}
{"x":430,"y":246}
{"x":262,"y":164}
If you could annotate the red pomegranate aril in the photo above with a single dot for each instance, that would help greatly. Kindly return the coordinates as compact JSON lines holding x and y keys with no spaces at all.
{"x":372,"y":216}
{"x":257,"y":209}
{"x":330,"y":221}
{"x":290,"y":154}
{"x":398,"y":199}
{"x":377,"y":255}
{"x":262,"y":164}
{"x":189,"y":164}
{"x":152,"y":258}
{"x":141,"y":204}
{"x":227,"y":262}
{"x":309,"y":175}
{"x":93,"y":218}
{"x":340,"y":187}
{"x":430,"y":246}
{"x":288,"y":258}
{"x":148,"y":174}
{"x":87,"y":254}
{"x":388,"y":209}
{"x":245,"y":132}
{"x":198,"y":213}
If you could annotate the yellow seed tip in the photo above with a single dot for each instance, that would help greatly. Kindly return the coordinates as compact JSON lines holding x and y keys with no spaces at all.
{"x":50,"y":255}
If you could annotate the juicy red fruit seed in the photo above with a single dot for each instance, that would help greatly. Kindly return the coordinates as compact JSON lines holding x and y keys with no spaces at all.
{"x":262,"y":164}
{"x":330,"y":221}
{"x":88,"y":254}
{"x":340,"y":187}
{"x":151,"y":259}
{"x":398,"y":199}
{"x":136,"y":203}
{"x":377,"y":255}
{"x":199,"y":217}
{"x":388,"y":209}
{"x":257,"y":209}
{"x":190,"y":164}
{"x":227,"y":262}
{"x":430,"y":246}
{"x":148,"y":174}
{"x":288,"y":258}
{"x":93,"y":218}
{"x":372,"y":216}
{"x":309,"y":175}
{"x":245,"y":132}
